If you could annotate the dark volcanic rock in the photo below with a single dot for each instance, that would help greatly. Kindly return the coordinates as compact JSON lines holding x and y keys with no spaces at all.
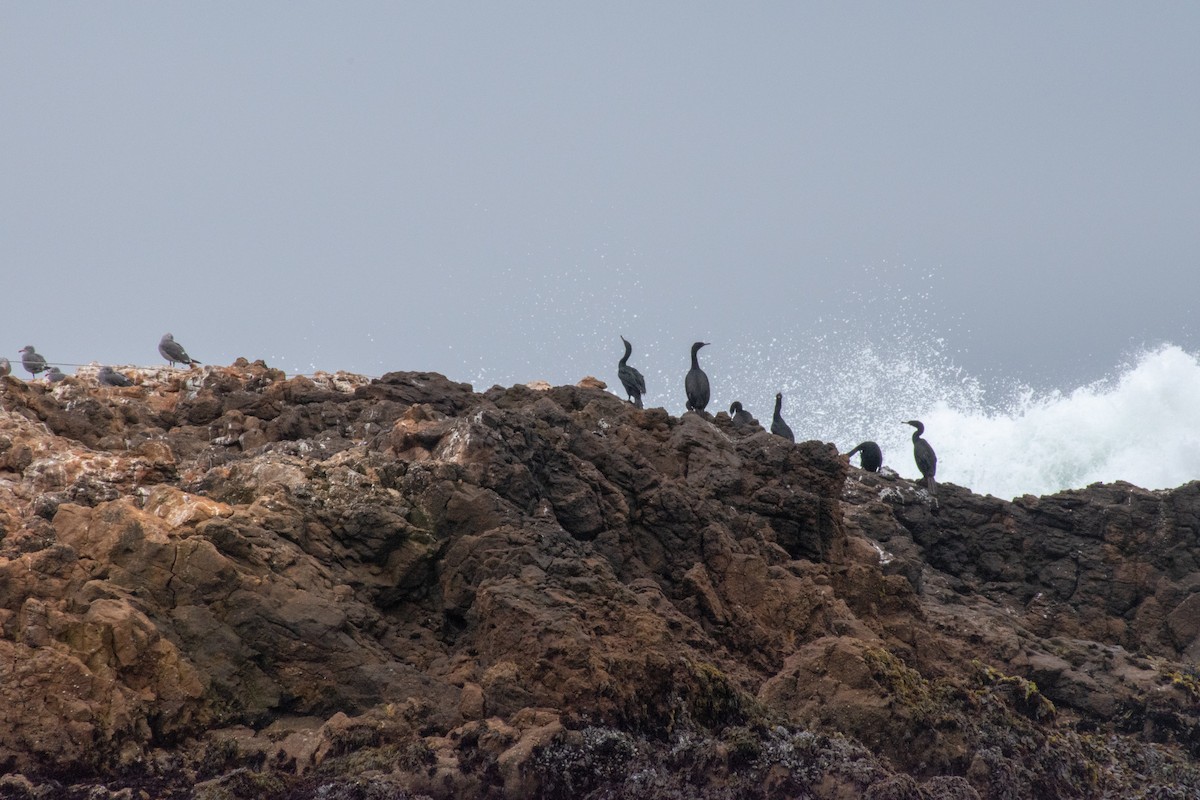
{"x":1113,"y":564}
{"x":227,"y":583}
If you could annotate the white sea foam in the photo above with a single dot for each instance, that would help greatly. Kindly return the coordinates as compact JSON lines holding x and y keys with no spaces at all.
{"x":869,"y":365}
{"x":1140,"y":426}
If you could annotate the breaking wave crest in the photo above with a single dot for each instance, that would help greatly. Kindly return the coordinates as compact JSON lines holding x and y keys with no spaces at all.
{"x":867,"y":365}
{"x":1141,"y":425}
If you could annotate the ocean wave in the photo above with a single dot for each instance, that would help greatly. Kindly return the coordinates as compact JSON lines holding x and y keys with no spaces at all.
{"x":1140,"y":425}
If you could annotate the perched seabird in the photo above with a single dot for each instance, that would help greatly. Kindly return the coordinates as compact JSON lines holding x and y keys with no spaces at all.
{"x":173,"y":351}
{"x":778,"y":426}
{"x":740,"y":416}
{"x":31,"y":361}
{"x":631,"y":379}
{"x":871,"y":455}
{"x":5,"y":367}
{"x":696,"y":382}
{"x":923,"y":454}
{"x":54,"y":375}
{"x":107,"y":376}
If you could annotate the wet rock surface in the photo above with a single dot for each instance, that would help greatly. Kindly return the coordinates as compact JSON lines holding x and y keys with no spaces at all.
{"x":224,"y":583}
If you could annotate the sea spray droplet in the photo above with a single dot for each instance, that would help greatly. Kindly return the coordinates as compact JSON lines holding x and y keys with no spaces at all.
{"x":853,"y":377}
{"x":1140,"y":426}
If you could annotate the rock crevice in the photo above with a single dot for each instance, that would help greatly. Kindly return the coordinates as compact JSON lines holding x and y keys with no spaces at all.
{"x":226,"y":578}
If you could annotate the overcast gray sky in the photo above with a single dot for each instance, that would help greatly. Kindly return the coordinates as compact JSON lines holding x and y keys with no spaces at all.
{"x":497,"y":190}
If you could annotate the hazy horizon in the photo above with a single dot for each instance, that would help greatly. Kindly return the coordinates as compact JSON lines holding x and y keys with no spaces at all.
{"x":497,"y":193}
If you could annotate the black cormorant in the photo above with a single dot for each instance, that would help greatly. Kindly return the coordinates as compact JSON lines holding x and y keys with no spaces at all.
{"x":631,"y":379}
{"x":696,"y":382}
{"x":871,"y":455}
{"x":778,"y":426}
{"x":740,"y":416}
{"x":923,"y":454}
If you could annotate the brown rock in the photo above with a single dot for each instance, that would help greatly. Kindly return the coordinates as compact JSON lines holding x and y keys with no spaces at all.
{"x":1184,"y":623}
{"x":224,"y":579}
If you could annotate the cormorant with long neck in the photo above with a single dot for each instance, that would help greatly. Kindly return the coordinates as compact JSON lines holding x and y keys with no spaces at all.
{"x":696,"y":382}
{"x":923,"y":454}
{"x":871,"y":455}
{"x":778,"y":426}
{"x":740,"y":416}
{"x":631,"y":379}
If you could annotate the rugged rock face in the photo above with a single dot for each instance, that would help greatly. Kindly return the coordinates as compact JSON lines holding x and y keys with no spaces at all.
{"x":227,"y":583}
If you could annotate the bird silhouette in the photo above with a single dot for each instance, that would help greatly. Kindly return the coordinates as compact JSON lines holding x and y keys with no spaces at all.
{"x":631,"y":379}
{"x":740,"y":416}
{"x":696,"y":382}
{"x":871,"y":456}
{"x":107,"y":376}
{"x":173,"y":351}
{"x":31,"y":361}
{"x":778,"y":426}
{"x":924,"y":456}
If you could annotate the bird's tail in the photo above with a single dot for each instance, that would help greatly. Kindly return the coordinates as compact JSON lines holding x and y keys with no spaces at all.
{"x":931,"y":485}
{"x":637,"y":401}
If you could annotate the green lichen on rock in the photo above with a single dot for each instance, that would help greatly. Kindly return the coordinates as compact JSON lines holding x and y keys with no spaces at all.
{"x":714,"y":701}
{"x":1020,"y":692}
{"x":1186,"y":680}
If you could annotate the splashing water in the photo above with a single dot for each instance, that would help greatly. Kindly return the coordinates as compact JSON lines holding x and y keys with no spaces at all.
{"x":859,"y":375}
{"x":1141,"y":426}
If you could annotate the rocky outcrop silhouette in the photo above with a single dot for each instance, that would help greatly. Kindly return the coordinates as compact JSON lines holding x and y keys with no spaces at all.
{"x":228,"y":583}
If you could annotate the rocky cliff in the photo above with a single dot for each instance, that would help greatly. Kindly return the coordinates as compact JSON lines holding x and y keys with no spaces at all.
{"x":224,"y":583}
